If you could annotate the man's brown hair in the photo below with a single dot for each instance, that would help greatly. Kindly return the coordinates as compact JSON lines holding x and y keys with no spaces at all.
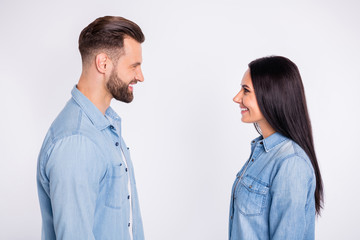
{"x":107,"y":34}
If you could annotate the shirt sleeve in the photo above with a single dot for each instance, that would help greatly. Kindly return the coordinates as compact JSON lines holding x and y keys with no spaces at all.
{"x":289,"y":192}
{"x":74,"y":170}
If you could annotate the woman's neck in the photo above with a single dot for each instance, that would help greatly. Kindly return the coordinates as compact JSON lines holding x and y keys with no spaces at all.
{"x":266,"y":129}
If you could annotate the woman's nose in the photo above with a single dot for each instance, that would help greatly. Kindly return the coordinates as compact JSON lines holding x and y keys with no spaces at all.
{"x":238,"y":97}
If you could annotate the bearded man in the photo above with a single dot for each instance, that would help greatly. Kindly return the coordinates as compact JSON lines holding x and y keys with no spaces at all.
{"x":85,"y":177}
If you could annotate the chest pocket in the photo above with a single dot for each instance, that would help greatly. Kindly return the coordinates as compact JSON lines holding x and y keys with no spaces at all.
{"x":117,"y":182}
{"x":250,"y":196}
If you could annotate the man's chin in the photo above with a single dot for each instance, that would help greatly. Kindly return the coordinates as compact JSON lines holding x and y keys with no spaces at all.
{"x":125,"y":100}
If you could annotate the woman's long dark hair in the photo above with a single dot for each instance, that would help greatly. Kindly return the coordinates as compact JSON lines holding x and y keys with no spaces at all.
{"x":280,"y":94}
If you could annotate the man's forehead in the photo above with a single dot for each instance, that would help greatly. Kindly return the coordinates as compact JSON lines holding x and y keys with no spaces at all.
{"x":132,"y":44}
{"x":132,"y":47}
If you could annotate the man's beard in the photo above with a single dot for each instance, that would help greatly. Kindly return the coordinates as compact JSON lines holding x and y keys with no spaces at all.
{"x":119,"y":89}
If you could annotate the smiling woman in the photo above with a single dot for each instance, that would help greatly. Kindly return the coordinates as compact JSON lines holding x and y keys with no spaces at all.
{"x":250,"y":110}
{"x":278,"y":192}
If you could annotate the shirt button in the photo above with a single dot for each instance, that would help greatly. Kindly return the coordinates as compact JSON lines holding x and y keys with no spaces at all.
{"x":253,"y":142}
{"x":117,"y":144}
{"x":252,"y":160}
{"x":126,"y":169}
{"x":250,"y":186}
{"x":128,"y":196}
{"x":261,"y":143}
{"x":128,"y":224}
{"x":112,"y":127}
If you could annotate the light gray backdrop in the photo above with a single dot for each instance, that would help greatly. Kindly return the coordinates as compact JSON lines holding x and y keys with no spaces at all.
{"x":185,"y":132}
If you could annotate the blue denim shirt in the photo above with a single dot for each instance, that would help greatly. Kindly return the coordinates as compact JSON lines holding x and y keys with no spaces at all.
{"x":273,"y":194}
{"x":82,"y":177}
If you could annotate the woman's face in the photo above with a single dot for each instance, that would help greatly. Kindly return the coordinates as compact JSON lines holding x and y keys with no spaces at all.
{"x":246,"y":99}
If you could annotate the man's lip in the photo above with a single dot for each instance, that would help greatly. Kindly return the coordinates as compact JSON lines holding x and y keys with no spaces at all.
{"x":131,"y":84}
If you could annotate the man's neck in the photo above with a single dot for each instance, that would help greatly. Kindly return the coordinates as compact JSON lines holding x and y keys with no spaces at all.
{"x":95,"y":92}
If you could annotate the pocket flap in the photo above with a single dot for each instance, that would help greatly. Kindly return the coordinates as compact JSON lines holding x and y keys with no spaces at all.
{"x":117,"y":171}
{"x":254,"y":186}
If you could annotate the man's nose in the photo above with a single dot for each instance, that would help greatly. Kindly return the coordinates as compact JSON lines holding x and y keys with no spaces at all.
{"x":139,"y":76}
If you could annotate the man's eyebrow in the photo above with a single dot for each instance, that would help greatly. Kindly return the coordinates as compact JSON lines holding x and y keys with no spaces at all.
{"x":136,"y":64}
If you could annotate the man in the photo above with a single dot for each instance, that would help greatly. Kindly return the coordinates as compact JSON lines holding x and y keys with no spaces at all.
{"x":85,"y":177}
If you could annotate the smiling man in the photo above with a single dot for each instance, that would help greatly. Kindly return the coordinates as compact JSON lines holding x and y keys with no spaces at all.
{"x":85,"y":176}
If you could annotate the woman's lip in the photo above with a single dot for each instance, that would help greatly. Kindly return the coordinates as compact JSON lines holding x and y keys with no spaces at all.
{"x":244,"y":110}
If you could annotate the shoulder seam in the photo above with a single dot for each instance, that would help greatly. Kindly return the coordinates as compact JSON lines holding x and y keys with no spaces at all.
{"x":297,"y":155}
{"x":56,"y":140}
{"x":79,"y":120}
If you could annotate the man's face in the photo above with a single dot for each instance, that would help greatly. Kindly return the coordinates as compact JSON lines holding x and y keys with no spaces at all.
{"x":127,"y":72}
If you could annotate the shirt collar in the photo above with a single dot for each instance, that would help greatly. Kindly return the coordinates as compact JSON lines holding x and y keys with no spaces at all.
{"x":93,"y":113}
{"x":112,"y":114}
{"x":270,"y":142}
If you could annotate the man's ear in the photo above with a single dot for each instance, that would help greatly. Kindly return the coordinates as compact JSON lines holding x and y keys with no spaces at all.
{"x":102,"y":62}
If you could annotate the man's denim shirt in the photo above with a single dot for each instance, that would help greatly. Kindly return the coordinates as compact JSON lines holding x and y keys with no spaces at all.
{"x":82,"y":177}
{"x":273,"y":194}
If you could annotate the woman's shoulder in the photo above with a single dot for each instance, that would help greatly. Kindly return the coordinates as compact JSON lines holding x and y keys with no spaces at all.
{"x":291,"y":156}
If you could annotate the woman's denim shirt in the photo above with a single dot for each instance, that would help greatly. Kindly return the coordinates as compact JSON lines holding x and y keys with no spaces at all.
{"x":273,"y":194}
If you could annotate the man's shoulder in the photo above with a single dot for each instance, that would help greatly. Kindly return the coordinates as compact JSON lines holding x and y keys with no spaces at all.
{"x":71,"y":121}
{"x":67,"y":120}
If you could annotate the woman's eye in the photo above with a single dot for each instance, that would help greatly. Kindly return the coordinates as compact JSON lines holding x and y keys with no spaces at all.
{"x":245,"y":90}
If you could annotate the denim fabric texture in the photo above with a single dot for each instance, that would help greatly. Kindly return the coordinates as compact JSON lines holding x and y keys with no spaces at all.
{"x":273,"y":194}
{"x":82,"y":176}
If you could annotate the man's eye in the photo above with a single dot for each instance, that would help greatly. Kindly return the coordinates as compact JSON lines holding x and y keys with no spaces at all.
{"x":245,"y":90}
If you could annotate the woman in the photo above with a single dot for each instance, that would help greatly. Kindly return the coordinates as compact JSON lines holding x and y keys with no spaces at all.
{"x":278,"y":192}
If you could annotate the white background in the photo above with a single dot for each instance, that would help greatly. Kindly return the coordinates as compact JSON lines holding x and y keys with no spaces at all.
{"x":183,"y":129}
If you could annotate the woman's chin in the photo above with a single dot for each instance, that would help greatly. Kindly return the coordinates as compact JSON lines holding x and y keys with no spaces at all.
{"x":244,"y":120}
